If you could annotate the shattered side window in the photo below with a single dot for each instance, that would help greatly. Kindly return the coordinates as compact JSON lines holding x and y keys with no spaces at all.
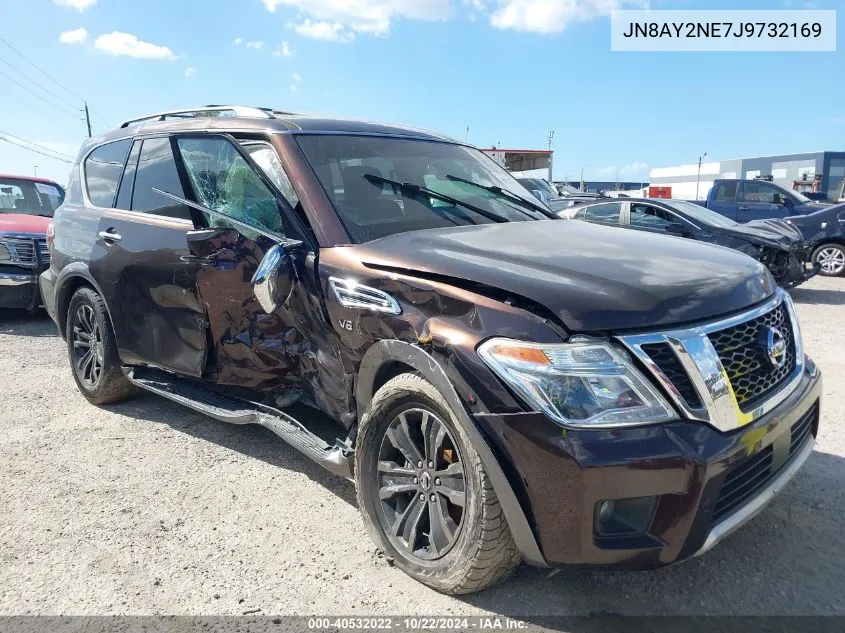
{"x":224,"y":181}
{"x":265,"y":157}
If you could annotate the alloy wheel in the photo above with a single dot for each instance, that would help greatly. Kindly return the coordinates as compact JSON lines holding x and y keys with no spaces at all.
{"x":88,"y":352}
{"x":832,"y":260}
{"x":421,"y":485}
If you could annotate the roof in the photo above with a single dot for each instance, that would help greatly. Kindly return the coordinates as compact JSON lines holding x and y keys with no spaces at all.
{"x":45,"y":181}
{"x":274,"y":121}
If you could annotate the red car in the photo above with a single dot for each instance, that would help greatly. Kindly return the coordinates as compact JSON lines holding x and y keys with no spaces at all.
{"x":26,"y":210}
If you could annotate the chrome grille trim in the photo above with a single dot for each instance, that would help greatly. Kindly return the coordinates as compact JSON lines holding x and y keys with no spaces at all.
{"x":700,"y":360}
{"x":25,"y":250}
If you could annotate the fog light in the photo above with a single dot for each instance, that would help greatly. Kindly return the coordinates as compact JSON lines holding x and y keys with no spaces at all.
{"x":624,"y":517}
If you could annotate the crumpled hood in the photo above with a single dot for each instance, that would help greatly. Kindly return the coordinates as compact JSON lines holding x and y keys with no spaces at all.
{"x":765,"y":233}
{"x":593,"y":277}
{"x":23,"y":223}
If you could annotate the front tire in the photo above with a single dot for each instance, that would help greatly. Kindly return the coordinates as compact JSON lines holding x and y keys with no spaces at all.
{"x":92,"y":350}
{"x":424,"y":494}
{"x":831,"y":258}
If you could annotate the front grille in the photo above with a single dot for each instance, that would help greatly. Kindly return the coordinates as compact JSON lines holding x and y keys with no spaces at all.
{"x":43,"y":251}
{"x":802,"y":429}
{"x":742,"y":350}
{"x":23,"y":251}
{"x":667,"y":361}
{"x":745,"y":480}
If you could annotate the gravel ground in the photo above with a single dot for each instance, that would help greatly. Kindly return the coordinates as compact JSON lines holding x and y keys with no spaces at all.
{"x":149,"y":508}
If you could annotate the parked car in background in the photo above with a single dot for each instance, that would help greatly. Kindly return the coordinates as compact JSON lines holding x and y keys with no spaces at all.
{"x":564,"y":207}
{"x":26,"y":208}
{"x":547,"y":191}
{"x":747,"y":200}
{"x":825,"y":231}
{"x":568,"y":191}
{"x":775,"y":243}
{"x":503,"y":385}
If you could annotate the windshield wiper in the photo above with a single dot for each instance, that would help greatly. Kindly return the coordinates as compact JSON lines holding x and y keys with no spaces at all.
{"x":409,"y":186}
{"x":504,"y":193}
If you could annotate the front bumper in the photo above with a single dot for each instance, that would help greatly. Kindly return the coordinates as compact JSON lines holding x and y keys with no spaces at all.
{"x":695,"y":471}
{"x":19,"y":288}
{"x":797,"y":270}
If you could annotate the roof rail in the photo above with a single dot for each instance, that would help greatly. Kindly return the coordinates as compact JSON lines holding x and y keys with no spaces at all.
{"x":235,"y":110}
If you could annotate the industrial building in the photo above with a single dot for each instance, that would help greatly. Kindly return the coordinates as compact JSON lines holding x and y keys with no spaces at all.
{"x":821,"y":173}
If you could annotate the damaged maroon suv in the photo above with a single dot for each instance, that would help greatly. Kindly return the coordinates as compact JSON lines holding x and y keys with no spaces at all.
{"x":500,"y":385}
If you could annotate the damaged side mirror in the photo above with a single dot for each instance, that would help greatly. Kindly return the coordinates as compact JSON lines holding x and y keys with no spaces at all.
{"x":272,"y":283}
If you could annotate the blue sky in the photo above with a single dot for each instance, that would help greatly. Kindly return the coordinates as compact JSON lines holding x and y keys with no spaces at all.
{"x":511,"y":70}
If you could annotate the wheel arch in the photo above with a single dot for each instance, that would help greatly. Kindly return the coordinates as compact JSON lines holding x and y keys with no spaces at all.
{"x":71,"y":278}
{"x":388,"y":358}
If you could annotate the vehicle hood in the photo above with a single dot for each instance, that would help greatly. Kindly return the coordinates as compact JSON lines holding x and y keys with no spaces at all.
{"x":774,"y":233}
{"x":592,"y":277}
{"x":23,"y":223}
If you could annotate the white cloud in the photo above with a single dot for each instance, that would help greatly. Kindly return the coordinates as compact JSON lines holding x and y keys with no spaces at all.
{"x":238,"y":41}
{"x":297,"y":80}
{"x":74,"y":37}
{"x":256,"y":45}
{"x":117,"y":43}
{"x":634,"y":169}
{"x":551,"y":16}
{"x":190,"y":71}
{"x":327,"y":31}
{"x":631,"y":170}
{"x":284,"y":50}
{"x":79,"y":5}
{"x":338,"y":20}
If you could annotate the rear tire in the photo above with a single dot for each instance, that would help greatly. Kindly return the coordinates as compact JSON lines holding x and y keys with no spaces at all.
{"x":429,"y":504}
{"x":92,"y":350}
{"x":831,"y":258}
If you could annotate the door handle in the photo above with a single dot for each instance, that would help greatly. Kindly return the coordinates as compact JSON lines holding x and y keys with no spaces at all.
{"x":202,"y":261}
{"x":744,"y":208}
{"x":110,"y":236}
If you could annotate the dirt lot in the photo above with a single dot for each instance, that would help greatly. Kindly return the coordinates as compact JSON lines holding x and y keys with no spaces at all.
{"x":146,"y":507}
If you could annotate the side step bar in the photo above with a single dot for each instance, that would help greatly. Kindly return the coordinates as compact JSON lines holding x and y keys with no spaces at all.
{"x":336,"y":459}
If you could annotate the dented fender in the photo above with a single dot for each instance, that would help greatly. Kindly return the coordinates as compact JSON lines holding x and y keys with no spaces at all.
{"x":387,"y":351}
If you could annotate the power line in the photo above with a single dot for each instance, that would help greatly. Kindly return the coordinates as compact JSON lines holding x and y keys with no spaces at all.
{"x":69,"y":162}
{"x":31,"y":107}
{"x":35,"y":83}
{"x":35,"y":94}
{"x":25,"y":140}
{"x":97,"y":114}
{"x":43,"y":72}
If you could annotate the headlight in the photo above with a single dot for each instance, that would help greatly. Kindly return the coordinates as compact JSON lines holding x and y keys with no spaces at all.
{"x":586,"y":384}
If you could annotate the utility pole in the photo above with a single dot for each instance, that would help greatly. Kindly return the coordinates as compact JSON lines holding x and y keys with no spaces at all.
{"x":551,"y":156}
{"x":581,"y":182}
{"x":88,"y":119}
{"x":466,"y":138}
{"x":35,"y":170}
{"x":698,"y":177}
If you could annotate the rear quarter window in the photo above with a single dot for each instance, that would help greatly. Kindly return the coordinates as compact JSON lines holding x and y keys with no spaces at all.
{"x":103,"y":168}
